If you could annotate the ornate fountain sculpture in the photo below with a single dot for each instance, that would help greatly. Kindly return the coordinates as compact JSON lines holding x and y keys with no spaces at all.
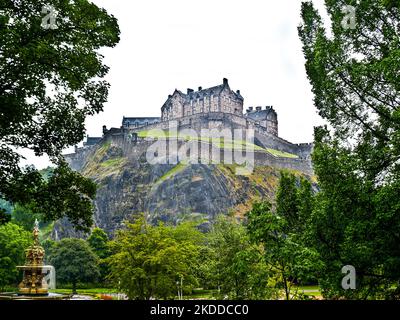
{"x":33,"y":282}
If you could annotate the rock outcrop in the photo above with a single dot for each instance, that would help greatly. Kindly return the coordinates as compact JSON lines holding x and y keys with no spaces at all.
{"x":128,"y":185}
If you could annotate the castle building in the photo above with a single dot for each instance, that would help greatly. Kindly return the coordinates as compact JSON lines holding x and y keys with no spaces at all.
{"x":219,"y":99}
{"x":216,"y":99}
{"x":135,"y":122}
{"x":218,"y":107}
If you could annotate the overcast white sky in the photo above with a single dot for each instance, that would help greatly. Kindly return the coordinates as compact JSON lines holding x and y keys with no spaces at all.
{"x":168,"y":44}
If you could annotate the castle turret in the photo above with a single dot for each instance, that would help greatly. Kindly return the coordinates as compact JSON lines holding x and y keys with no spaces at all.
{"x":267,"y":118}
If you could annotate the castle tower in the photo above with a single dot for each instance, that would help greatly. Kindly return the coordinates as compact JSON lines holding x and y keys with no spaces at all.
{"x":267,"y":118}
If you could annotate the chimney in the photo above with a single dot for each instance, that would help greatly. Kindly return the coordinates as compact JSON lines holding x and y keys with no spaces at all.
{"x":238,"y":92}
{"x":225,"y":81}
{"x":189,"y":91}
{"x":200,"y":88}
{"x":258,"y":108}
{"x":169,"y":96}
{"x":251,"y":108}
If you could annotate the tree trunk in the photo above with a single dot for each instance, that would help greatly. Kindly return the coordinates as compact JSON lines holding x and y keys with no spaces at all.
{"x":74,"y":287}
{"x":286,"y":288}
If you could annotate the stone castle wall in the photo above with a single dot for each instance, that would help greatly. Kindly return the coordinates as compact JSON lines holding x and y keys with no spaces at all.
{"x":125,"y":137}
{"x":222,"y":120}
{"x":202,"y":152}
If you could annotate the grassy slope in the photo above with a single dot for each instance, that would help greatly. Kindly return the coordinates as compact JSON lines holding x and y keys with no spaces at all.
{"x":105,"y":162}
{"x":219,"y":142}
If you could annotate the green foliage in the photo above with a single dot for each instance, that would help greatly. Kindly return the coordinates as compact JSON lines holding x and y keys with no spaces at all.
{"x":233,"y":264}
{"x":47,"y":173}
{"x":148,"y":261}
{"x":51,"y":80}
{"x":98,"y":241}
{"x":13,"y":242}
{"x":6,"y":206}
{"x":4,"y":217}
{"x":74,"y":261}
{"x":48,"y":246}
{"x":5,"y":212}
{"x":282,"y":234}
{"x":288,"y":202}
{"x":354,"y":75}
{"x":24,"y":217}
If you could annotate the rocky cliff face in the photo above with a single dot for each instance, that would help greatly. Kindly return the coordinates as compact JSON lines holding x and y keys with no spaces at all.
{"x":129,"y":185}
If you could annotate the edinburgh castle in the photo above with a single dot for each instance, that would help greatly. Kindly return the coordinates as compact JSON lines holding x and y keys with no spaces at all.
{"x":215,"y":108}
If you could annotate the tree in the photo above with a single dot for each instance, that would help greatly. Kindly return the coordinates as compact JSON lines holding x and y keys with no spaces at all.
{"x":50,"y":81}
{"x":74,"y":261}
{"x":282,"y":234}
{"x":287,"y":201}
{"x":48,"y":245}
{"x":4,"y":217}
{"x":13,"y":242}
{"x":98,"y":241}
{"x":354,"y":76}
{"x":236,"y":266}
{"x":24,"y":217}
{"x":151,"y":261}
{"x":5,"y":212}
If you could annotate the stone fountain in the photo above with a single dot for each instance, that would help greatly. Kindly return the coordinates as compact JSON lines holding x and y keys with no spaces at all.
{"x":34,"y":284}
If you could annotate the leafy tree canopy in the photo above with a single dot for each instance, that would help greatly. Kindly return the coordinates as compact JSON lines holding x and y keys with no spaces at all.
{"x":150,"y":261}
{"x":282,"y":234}
{"x":50,"y":81}
{"x":355,"y":79}
{"x":236,"y":265}
{"x":74,"y":261}
{"x":13,"y":242}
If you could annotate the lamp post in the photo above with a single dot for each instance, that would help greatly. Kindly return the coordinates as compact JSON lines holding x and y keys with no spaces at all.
{"x":177,"y":286}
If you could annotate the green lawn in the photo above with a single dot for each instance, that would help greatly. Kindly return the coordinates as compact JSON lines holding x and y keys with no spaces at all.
{"x":281,"y":154}
{"x":310,"y":290}
{"x":201,"y":294}
{"x":93,"y":291}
